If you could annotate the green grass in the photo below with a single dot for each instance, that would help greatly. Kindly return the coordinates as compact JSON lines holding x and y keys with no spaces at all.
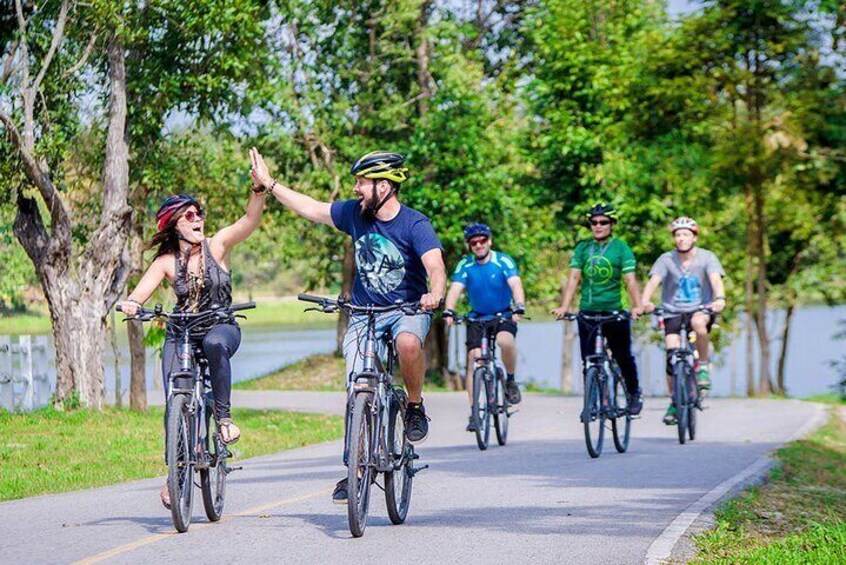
{"x":798,"y":516}
{"x":49,"y":451}
{"x":323,"y":372}
{"x":827,"y":398}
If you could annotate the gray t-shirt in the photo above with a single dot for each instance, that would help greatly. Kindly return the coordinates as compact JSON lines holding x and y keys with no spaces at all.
{"x":685,"y":290}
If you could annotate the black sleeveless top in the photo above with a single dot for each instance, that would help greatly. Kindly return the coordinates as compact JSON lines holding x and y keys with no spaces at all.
{"x":216,"y":291}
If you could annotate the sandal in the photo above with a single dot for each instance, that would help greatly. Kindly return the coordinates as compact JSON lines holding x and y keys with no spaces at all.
{"x":164,"y":494}
{"x":229,"y":432}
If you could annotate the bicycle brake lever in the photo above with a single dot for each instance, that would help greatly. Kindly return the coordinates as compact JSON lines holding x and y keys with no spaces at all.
{"x":243,"y":317}
{"x":313,"y":310}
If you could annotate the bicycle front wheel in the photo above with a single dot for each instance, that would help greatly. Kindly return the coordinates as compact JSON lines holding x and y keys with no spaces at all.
{"x":481,"y":413}
{"x":398,"y":482}
{"x":213,"y":478}
{"x":500,"y":408}
{"x":359,"y":469}
{"x":693,"y":392}
{"x":621,"y":425}
{"x":681,"y":400}
{"x":593,"y":418}
{"x":180,"y":468}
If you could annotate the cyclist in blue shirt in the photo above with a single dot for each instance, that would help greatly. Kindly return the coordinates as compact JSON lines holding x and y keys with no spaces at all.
{"x":492,"y":281}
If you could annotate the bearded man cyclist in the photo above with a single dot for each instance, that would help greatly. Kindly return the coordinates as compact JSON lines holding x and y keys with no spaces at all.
{"x":606,"y":262}
{"x":396,"y":249}
{"x":691,"y":277}
{"x":492,"y":281}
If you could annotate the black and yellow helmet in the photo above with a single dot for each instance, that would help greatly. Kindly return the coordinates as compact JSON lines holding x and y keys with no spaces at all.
{"x":602,"y":209}
{"x":381,"y":165}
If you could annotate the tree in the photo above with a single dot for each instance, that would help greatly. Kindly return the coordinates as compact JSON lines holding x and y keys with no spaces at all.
{"x":56,"y":52}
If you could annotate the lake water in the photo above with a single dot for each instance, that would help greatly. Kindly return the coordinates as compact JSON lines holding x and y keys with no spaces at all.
{"x":811,"y":350}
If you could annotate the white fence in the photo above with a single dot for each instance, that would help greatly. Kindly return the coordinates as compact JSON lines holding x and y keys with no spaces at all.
{"x":24,"y":380}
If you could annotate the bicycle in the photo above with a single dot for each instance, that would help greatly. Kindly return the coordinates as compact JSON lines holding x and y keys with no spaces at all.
{"x":489,"y":398}
{"x":686,"y":394}
{"x":192,"y":441}
{"x":375,"y":439}
{"x":605,"y":394}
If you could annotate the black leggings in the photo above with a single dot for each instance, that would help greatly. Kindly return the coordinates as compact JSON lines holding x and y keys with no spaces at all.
{"x":619,"y":338}
{"x":219,"y":345}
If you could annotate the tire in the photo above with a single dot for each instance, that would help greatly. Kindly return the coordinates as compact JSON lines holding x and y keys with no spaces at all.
{"x":593,"y":418}
{"x":501,"y":414}
{"x":681,"y":400}
{"x":621,"y":425}
{"x":180,"y":469}
{"x":360,"y":471}
{"x":398,"y":482}
{"x":481,"y":412}
{"x":694,"y":403}
{"x":213,"y":478}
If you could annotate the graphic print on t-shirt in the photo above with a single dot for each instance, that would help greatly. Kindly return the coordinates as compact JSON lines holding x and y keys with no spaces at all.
{"x":689,"y":291}
{"x":380,"y":264}
{"x":599,"y":269}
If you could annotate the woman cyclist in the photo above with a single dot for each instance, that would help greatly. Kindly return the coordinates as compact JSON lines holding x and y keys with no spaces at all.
{"x":198,"y":269}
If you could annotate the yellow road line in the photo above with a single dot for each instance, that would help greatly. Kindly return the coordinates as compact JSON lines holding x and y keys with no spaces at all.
{"x":131,"y":546}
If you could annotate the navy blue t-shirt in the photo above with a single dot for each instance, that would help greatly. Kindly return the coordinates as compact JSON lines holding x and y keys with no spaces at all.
{"x":387,"y":254}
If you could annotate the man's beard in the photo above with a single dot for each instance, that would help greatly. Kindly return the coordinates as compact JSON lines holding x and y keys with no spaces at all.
{"x":369,"y":210}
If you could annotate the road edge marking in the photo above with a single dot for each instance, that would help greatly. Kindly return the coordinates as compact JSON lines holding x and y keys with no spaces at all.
{"x":127,"y":547}
{"x":661,"y":548}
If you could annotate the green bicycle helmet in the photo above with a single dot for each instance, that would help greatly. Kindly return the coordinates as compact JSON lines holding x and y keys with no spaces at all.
{"x":602,"y":209}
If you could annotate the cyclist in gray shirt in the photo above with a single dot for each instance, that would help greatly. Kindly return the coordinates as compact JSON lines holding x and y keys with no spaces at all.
{"x":691,"y":277}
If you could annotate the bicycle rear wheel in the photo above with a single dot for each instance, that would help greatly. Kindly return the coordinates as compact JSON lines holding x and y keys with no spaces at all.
{"x":500,"y":408}
{"x":681,"y":400}
{"x":180,"y":468}
{"x":359,"y":470}
{"x":398,"y":482}
{"x":621,"y":425}
{"x":481,"y":414}
{"x":593,"y":417}
{"x":213,"y":478}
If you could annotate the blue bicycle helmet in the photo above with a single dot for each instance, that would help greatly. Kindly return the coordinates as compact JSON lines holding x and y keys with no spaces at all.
{"x":476,"y":230}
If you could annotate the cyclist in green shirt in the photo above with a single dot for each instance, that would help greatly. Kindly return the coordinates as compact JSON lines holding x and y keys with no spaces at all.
{"x":606,"y":262}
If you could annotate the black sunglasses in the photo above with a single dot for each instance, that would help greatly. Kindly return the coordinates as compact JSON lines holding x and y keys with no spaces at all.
{"x":601,"y":222}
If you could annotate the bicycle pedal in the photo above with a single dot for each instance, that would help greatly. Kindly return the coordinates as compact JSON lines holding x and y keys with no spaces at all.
{"x":414,"y":470}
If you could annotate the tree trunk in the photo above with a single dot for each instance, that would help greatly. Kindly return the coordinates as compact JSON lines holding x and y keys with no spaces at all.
{"x":79,"y":334}
{"x":785,"y":339}
{"x":135,"y":334}
{"x":764,"y":380}
{"x":750,"y":291}
{"x":422,"y":53}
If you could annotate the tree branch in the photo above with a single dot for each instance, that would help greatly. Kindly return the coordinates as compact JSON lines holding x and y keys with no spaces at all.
{"x":9,"y":63}
{"x":58,"y":36}
{"x":83,"y":59}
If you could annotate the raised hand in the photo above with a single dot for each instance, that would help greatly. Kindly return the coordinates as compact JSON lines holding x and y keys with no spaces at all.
{"x":261,"y":176}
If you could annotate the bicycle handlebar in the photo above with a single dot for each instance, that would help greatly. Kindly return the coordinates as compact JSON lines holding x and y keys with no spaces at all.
{"x":331,"y":305}
{"x":662,"y":312}
{"x":620,"y":316}
{"x":145,"y":315}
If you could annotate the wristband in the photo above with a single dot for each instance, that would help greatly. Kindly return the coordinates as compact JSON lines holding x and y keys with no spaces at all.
{"x":519,"y":309}
{"x":723,"y":298}
{"x":448,"y":314}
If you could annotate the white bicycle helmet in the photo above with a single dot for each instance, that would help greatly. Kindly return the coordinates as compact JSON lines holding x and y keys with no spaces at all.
{"x":684,"y":223}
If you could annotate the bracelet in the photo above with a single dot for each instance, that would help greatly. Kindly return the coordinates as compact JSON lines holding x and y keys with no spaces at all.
{"x":134,"y":302}
{"x":272,"y":186}
{"x":723,"y":298}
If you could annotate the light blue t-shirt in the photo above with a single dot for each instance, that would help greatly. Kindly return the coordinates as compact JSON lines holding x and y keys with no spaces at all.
{"x":487,"y":283}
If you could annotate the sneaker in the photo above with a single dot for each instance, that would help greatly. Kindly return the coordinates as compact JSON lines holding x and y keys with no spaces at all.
{"x":339,"y":495}
{"x":512,"y":392}
{"x":635,"y":403}
{"x":471,"y":425}
{"x":703,"y":378}
{"x":416,"y":423}
{"x":670,"y":417}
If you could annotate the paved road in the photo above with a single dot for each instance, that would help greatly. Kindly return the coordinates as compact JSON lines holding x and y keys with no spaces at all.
{"x":540,"y":499}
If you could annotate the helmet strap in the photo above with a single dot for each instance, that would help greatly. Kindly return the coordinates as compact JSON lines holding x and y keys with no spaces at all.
{"x":371,"y":213}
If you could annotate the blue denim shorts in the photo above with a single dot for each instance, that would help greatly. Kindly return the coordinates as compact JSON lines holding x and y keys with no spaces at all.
{"x":396,"y":322}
